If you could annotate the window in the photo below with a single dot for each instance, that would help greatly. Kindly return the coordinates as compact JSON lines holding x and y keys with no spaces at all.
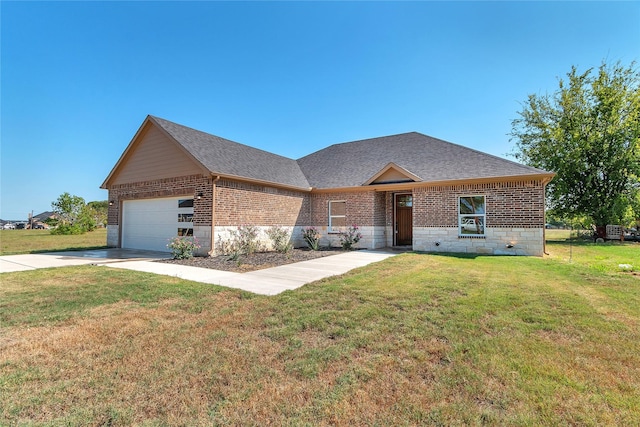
{"x":337,"y":215}
{"x":404,"y":200}
{"x":471,"y":215}
{"x":183,"y":232}
{"x":185,"y":217}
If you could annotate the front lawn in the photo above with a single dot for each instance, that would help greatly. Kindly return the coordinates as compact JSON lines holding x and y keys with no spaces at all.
{"x":416,"y":339}
{"x":34,"y":241}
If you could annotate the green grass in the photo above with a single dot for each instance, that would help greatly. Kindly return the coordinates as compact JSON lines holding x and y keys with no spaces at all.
{"x":604,"y":257}
{"x":418,"y":339}
{"x":33,"y":241}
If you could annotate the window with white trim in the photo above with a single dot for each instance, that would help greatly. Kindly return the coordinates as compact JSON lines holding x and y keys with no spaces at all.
{"x":471,"y":215}
{"x":337,"y":215}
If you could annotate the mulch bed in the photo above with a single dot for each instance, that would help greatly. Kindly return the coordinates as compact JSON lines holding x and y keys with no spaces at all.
{"x":255,"y":261}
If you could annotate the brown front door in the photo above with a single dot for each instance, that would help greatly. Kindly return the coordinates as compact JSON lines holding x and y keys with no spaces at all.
{"x":404,"y":219}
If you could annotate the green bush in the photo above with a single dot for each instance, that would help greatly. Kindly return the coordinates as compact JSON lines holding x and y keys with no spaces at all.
{"x":183,"y":247}
{"x":350,"y":237}
{"x":243,"y":241}
{"x":311,"y":237}
{"x":68,"y":229}
{"x":280,"y":239}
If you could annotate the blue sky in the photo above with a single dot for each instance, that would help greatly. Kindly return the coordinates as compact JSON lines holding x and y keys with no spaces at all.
{"x":78,"y":78}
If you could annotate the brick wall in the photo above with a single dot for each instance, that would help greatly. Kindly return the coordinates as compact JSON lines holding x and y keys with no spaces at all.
{"x":169,"y":187}
{"x":239,"y":203}
{"x":508,"y":204}
{"x":363,"y":208}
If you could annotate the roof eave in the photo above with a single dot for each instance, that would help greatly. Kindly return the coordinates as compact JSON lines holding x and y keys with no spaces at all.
{"x":260,"y":182}
{"x":544,"y":177}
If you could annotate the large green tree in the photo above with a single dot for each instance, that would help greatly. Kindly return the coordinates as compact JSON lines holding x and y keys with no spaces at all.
{"x":588,"y":133}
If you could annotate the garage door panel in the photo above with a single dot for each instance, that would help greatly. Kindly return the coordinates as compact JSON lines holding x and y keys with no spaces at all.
{"x":150,"y":224}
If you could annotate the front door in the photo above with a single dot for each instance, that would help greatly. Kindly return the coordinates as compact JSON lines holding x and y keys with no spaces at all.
{"x":404,"y":219}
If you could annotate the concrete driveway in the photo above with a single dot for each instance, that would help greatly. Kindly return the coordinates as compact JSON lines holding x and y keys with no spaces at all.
{"x":11,"y":263}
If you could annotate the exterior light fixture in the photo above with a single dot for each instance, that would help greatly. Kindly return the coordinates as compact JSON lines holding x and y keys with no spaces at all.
{"x":110,"y":202}
{"x":199,"y":196}
{"x":509,"y":245}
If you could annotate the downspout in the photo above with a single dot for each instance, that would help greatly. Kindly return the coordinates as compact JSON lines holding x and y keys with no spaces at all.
{"x":212,"y":252}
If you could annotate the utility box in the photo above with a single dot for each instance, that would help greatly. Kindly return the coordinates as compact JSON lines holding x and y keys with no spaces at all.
{"x":615,"y":232}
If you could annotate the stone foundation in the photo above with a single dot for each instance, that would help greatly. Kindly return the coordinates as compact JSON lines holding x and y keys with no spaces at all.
{"x":524,"y":241}
{"x":113,"y":236}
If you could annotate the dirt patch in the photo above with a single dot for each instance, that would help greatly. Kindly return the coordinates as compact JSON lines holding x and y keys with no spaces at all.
{"x":255,"y":261}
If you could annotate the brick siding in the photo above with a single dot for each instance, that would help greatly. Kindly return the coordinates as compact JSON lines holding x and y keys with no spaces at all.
{"x":508,"y":204}
{"x":239,"y":203}
{"x":364,"y":208}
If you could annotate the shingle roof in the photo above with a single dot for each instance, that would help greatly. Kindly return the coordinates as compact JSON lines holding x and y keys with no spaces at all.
{"x":44,"y":215}
{"x":226,"y":157}
{"x":353,"y":163}
{"x":350,"y":164}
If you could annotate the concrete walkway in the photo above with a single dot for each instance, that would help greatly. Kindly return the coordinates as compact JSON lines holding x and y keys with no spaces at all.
{"x":269,"y":281}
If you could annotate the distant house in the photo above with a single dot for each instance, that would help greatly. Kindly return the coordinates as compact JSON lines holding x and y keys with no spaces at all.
{"x":44,"y":216}
{"x":407,"y":190}
{"x":40,"y":220}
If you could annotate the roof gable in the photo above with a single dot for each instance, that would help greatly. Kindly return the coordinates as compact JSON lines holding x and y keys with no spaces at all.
{"x":153,"y":154}
{"x":392,"y":174}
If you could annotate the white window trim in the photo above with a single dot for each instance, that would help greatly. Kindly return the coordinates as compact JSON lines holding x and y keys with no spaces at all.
{"x":331,"y":230}
{"x":482,"y":215}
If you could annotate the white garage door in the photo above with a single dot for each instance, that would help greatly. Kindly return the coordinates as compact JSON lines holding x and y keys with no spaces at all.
{"x":150,"y":224}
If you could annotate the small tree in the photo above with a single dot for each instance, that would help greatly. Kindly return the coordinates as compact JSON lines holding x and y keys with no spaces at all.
{"x":73,"y":216}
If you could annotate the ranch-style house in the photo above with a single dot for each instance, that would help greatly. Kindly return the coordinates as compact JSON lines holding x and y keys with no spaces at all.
{"x":408,"y":190}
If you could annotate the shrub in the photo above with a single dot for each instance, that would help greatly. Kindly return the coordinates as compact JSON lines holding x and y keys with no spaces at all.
{"x":280,"y":238}
{"x":243,"y":241}
{"x":183,"y":247}
{"x":311,"y":238}
{"x":350,"y":237}
{"x":67,"y":229}
{"x":247,"y":236}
